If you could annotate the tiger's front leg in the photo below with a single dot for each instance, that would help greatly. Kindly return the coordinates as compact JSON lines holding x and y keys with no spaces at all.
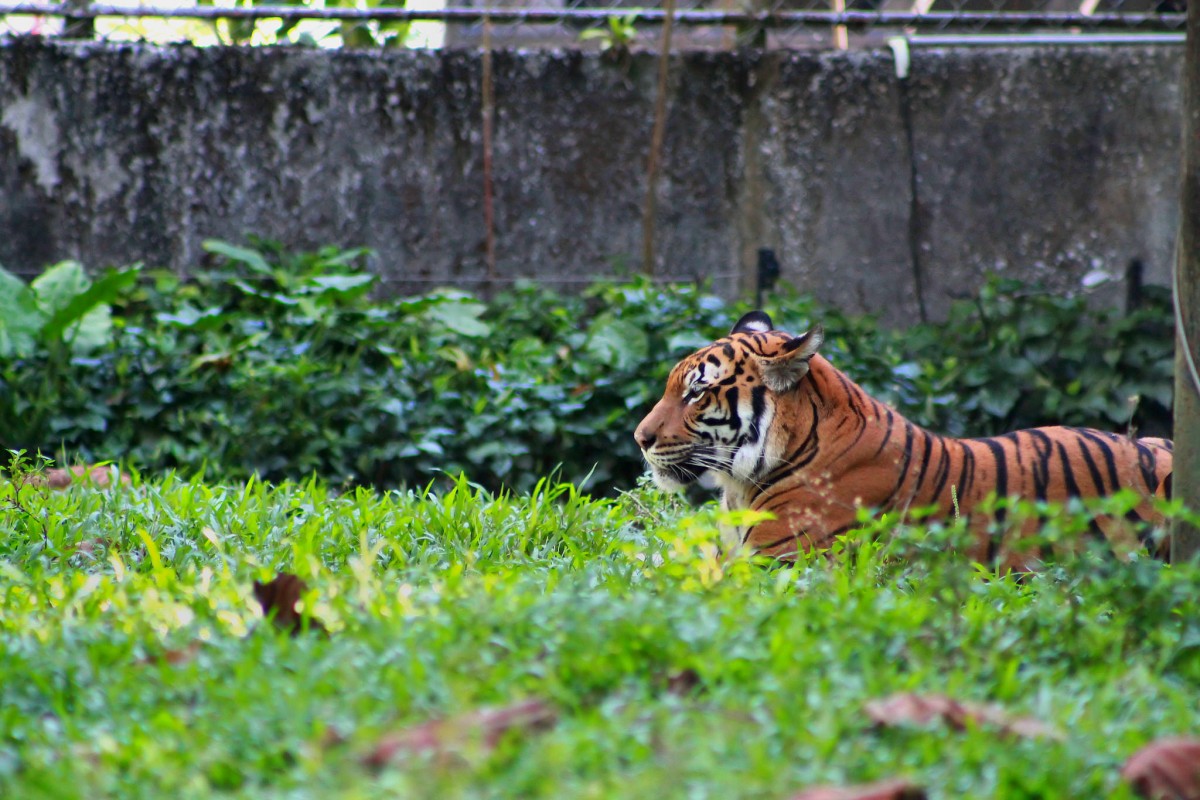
{"x":801,"y":525}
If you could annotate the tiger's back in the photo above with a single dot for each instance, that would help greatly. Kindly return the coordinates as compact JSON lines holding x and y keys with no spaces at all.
{"x":784,"y":431}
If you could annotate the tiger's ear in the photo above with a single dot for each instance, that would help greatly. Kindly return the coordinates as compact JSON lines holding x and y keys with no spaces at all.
{"x":754,"y":322}
{"x":784,"y":371}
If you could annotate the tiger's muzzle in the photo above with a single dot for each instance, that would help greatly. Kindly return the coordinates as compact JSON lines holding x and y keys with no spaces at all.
{"x":675,"y":460}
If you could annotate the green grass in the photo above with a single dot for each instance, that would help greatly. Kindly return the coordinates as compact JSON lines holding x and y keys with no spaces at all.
{"x":440,"y":603}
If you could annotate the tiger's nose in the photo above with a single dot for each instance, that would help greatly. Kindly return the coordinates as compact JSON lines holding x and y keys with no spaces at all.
{"x":644,"y":437}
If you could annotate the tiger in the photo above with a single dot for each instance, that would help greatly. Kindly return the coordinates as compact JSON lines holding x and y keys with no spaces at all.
{"x":781,"y":430}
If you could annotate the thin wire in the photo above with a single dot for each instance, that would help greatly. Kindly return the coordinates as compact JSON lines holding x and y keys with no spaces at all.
{"x":456,"y":279}
{"x":1044,"y":39}
{"x":771,"y":19}
{"x":1188,"y":357}
{"x":562,"y":280}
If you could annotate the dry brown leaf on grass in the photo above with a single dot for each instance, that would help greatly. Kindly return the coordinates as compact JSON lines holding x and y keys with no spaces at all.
{"x":921,"y":709}
{"x":1168,"y":769}
{"x":61,"y":478}
{"x":88,"y":547}
{"x":683,"y":681}
{"x":175,"y":657}
{"x":482,"y":728}
{"x":278,"y":598}
{"x":895,"y":789}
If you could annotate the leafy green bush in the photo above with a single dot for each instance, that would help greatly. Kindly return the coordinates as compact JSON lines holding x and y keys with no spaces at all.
{"x":1017,"y":357}
{"x":285,"y":365}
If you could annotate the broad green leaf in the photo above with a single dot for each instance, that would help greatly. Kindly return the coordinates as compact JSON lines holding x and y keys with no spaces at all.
{"x":20,"y":318}
{"x":92,"y":331}
{"x":357,"y":35}
{"x":265,"y":294}
{"x":998,"y":401}
{"x":344,"y":284}
{"x":341,"y":258}
{"x":687,"y":341}
{"x":242,"y":255}
{"x":191,"y":317}
{"x":619,"y":344}
{"x":86,"y":319}
{"x":59,"y":285}
{"x":461,"y":318}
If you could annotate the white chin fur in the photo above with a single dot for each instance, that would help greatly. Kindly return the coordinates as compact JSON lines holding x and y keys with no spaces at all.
{"x":707,"y":480}
{"x":750,"y":458}
{"x":666,"y":482}
{"x":746,"y":462}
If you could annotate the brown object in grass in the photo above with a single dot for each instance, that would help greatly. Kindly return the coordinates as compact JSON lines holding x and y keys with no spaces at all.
{"x":175,"y":657}
{"x":1167,"y":769}
{"x":895,"y":789}
{"x":918,"y":709}
{"x":99,"y":476}
{"x":483,"y":727}
{"x":278,"y":598}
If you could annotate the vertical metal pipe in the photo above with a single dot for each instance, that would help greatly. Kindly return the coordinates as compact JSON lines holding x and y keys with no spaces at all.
{"x":488,"y":103}
{"x":79,"y":27}
{"x":649,"y":210}
{"x":1185,"y":480}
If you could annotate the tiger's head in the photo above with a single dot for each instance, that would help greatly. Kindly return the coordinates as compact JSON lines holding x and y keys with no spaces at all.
{"x":716,"y":415}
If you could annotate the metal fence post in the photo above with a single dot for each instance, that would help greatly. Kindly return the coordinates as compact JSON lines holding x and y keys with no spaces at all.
{"x":79,"y":27}
{"x":1185,"y":479}
{"x":657,"y":133}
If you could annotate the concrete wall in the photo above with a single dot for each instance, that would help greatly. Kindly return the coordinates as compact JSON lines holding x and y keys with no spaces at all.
{"x":876,"y":194}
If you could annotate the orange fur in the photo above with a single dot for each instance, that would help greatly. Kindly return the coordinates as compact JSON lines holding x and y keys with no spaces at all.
{"x":782,"y":430}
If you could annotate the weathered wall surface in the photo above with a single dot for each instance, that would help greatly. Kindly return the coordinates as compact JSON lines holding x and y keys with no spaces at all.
{"x":876,"y":194}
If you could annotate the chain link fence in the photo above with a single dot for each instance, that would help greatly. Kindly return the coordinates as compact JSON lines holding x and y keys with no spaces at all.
{"x":612,"y":26}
